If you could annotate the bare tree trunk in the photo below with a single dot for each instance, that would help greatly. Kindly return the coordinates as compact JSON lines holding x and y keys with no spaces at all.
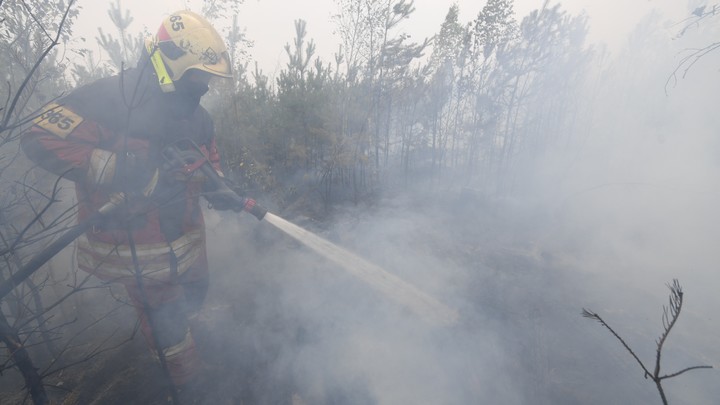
{"x":33,"y":381}
{"x":47,"y":339}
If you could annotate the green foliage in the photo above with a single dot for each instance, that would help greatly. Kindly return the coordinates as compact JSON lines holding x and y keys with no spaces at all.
{"x":27,"y":30}
{"x":382,"y":113}
{"x":125,"y":50}
{"x":237,"y":44}
{"x":494,"y":26}
{"x":213,"y":9}
{"x":448,"y":40}
{"x":385,"y":112}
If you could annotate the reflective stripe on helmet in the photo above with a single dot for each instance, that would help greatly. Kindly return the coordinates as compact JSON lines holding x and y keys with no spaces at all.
{"x":164,"y":80}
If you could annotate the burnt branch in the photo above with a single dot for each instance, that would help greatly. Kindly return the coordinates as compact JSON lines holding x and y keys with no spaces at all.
{"x":688,"y":61}
{"x":683,"y":371}
{"x":97,"y":349}
{"x":21,"y":358}
{"x":55,"y":41}
{"x":670,"y":316}
{"x":592,"y":315}
{"x":37,"y":217}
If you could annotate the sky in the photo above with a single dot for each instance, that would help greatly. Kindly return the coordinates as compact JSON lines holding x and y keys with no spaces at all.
{"x":270,"y":23}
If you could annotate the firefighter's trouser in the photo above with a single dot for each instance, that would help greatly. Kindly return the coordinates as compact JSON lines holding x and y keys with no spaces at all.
{"x":163,"y":306}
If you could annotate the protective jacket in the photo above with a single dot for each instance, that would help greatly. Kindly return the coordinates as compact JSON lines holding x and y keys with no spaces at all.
{"x":103,"y":131}
{"x":86,"y":137}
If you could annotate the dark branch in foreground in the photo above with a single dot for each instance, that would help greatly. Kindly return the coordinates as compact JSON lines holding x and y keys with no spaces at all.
{"x":671,"y":313}
{"x":588,"y":314}
{"x":21,"y":358}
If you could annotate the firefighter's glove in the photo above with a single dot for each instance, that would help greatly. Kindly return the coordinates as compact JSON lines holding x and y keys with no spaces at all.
{"x":140,"y":182}
{"x":182,"y":164}
{"x":231,"y":201}
{"x":135,"y":174}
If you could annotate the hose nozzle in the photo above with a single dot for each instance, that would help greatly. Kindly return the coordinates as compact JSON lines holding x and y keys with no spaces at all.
{"x":254,"y":209}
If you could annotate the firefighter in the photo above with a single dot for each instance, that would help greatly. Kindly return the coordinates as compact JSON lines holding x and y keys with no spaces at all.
{"x":108,"y":138}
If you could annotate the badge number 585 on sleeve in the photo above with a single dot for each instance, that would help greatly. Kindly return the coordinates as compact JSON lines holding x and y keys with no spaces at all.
{"x":58,"y":120}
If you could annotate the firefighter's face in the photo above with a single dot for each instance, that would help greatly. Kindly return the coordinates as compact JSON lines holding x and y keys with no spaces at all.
{"x":198,"y":76}
{"x":194,"y":84}
{"x":188,"y":91}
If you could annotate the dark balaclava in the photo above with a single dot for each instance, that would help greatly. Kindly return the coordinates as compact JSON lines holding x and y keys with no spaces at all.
{"x":185,"y":99}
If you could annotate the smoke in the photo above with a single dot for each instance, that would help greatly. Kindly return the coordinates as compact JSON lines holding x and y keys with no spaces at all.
{"x":605,"y":223}
{"x":520,"y":339}
{"x":340,"y":341}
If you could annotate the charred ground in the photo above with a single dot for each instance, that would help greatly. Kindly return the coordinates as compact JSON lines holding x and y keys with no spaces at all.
{"x":282,"y":325}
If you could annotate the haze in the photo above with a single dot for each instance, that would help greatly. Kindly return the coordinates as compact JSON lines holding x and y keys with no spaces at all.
{"x":269,"y":23}
{"x":584,"y":177}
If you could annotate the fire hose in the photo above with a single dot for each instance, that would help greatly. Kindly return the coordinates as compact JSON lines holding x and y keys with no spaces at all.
{"x":187,"y":157}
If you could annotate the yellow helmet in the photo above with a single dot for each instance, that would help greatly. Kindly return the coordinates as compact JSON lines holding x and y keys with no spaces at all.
{"x":184,"y":41}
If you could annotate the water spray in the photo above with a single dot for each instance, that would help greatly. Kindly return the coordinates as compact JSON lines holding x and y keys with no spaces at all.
{"x":387,"y":283}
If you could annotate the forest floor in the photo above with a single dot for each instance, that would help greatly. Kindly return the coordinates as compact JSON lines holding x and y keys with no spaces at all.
{"x":284,"y":326}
